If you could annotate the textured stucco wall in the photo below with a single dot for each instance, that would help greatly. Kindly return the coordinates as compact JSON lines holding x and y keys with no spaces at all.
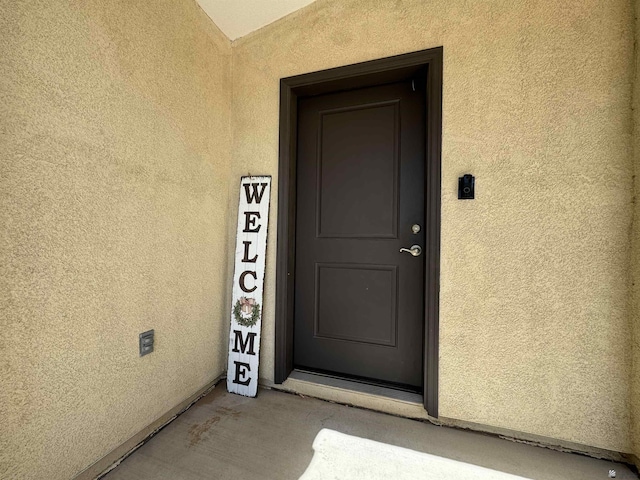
{"x":115,"y":147}
{"x":635,"y":242}
{"x":534,"y":285}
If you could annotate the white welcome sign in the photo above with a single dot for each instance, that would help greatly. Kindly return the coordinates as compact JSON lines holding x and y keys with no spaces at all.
{"x":248,"y":283}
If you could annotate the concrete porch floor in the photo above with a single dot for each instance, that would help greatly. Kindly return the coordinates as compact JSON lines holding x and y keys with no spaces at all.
{"x":226,"y":436}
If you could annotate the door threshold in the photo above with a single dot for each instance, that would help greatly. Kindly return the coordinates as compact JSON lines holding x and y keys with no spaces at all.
{"x":356,"y":385}
{"x":358,"y":394}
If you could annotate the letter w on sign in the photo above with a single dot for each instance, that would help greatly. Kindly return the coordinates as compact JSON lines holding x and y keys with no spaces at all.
{"x":248,"y":285}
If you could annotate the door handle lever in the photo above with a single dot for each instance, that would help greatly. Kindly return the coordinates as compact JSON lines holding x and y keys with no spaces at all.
{"x":415,"y":250}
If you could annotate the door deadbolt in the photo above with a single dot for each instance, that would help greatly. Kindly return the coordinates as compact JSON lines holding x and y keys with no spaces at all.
{"x":415,"y":250}
{"x":415,"y":228}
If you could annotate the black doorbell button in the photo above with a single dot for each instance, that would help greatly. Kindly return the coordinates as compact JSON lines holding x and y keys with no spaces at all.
{"x":466,"y":187}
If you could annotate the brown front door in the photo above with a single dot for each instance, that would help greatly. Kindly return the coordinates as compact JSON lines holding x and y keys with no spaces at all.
{"x":359,"y":304}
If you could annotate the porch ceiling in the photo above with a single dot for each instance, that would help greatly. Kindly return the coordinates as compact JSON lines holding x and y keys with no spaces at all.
{"x":236,"y":18}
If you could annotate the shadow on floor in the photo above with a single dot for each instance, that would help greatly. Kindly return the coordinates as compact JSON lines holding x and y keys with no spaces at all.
{"x":226,"y":436}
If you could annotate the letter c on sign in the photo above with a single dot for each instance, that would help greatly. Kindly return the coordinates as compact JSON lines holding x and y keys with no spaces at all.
{"x":243,"y":286}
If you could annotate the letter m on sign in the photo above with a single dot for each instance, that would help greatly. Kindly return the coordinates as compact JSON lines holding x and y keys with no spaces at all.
{"x":244,"y":345}
{"x":248,"y":284}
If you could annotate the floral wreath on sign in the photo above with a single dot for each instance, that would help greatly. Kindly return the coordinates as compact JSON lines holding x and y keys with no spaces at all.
{"x":246,"y":311}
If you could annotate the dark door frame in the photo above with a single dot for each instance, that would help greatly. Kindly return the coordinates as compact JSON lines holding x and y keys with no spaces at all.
{"x":426,"y":67}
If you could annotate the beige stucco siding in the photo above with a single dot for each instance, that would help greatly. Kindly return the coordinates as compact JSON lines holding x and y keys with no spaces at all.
{"x":124,"y":129}
{"x":534,"y":332}
{"x":635,"y":243}
{"x":115,"y":154}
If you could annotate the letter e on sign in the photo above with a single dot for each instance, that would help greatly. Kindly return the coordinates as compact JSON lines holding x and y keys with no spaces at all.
{"x":248,"y":285}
